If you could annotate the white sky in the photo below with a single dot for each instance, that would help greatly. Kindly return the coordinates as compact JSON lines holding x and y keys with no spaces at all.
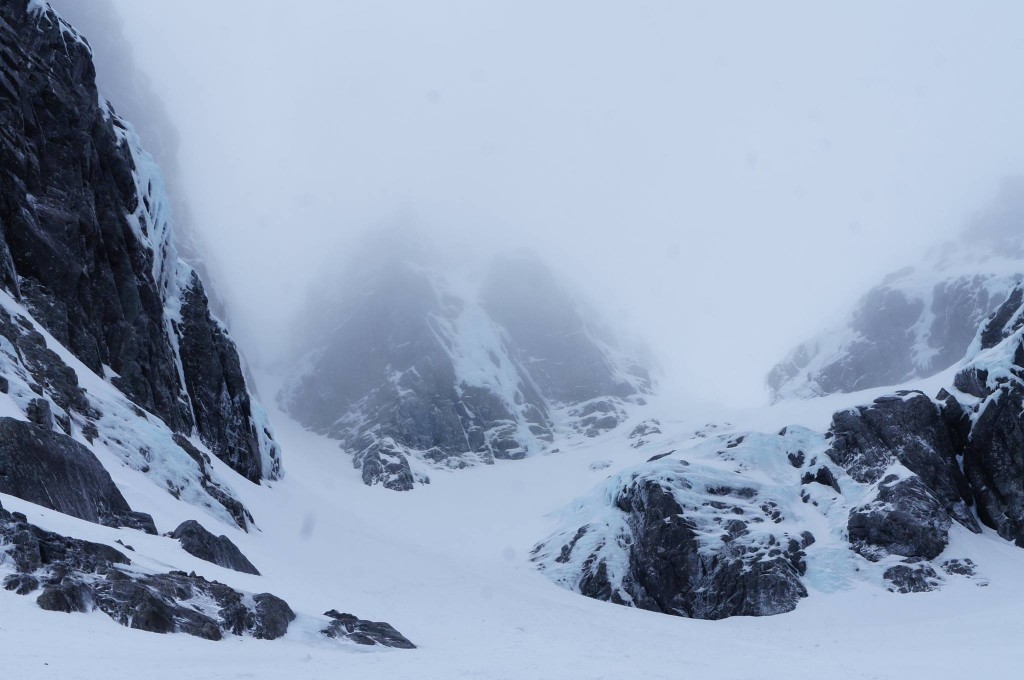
{"x":721,"y":179}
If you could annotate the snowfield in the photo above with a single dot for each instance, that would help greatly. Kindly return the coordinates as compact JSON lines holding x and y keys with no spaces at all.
{"x":448,"y":565}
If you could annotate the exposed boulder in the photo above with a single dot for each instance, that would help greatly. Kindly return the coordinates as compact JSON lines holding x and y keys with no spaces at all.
{"x":360,"y":631}
{"x":384,"y":463}
{"x":644,"y":432}
{"x":52,"y":470}
{"x":72,"y":575}
{"x":912,"y":578}
{"x":219,"y":550}
{"x":597,"y":416}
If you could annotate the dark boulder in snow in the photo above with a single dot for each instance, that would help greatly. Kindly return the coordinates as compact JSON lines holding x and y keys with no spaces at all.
{"x":52,"y":470}
{"x":197,"y":541}
{"x":360,"y":631}
{"x":643,"y":432}
{"x":78,"y":576}
{"x":597,"y":416}
{"x":912,"y":578}
{"x":384,"y":463}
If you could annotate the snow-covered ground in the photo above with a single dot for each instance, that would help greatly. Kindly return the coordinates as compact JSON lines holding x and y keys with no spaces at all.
{"x":448,"y":565}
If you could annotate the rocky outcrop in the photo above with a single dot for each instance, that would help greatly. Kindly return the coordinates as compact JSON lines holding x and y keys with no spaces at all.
{"x":360,"y":631}
{"x":71,"y":575}
{"x":87,"y":248}
{"x":198,"y":542}
{"x":903,"y":518}
{"x":724,"y":534}
{"x":52,"y":470}
{"x":46,"y":389}
{"x":682,"y":539}
{"x":913,"y":431}
{"x":389,"y":382}
{"x":993,"y":458}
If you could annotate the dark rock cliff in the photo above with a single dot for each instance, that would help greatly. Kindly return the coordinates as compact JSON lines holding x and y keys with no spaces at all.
{"x":85,"y":246}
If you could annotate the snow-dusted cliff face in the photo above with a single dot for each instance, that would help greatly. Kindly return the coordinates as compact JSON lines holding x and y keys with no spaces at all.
{"x":917,"y":322}
{"x":103,"y":324}
{"x":416,"y":369}
{"x":119,"y":80}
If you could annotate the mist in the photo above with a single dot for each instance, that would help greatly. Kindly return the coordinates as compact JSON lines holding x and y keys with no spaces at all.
{"x":720,"y":181}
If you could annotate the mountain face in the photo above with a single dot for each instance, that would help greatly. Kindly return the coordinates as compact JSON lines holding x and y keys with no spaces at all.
{"x":87,"y":249}
{"x":119,"y":80}
{"x":111,"y":362}
{"x":918,"y":321}
{"x":92,"y":289}
{"x":413,"y":372}
{"x":737,"y":524}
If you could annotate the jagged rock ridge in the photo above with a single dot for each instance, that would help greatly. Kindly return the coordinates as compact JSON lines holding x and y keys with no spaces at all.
{"x":71,"y":575}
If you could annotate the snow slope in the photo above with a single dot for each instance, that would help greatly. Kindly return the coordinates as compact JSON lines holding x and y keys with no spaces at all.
{"x":449,"y":566}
